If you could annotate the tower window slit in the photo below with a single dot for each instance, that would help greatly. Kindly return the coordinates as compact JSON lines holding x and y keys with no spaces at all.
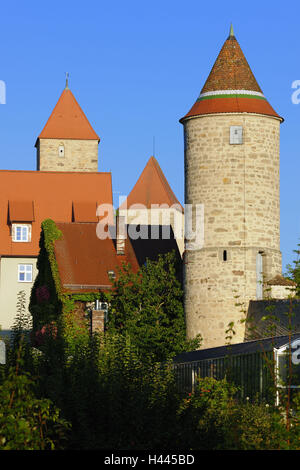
{"x":225,"y":255}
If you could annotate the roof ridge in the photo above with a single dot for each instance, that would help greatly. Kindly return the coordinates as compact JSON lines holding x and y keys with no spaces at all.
{"x":81,"y":110}
{"x":145,"y":189}
{"x":164,"y":180}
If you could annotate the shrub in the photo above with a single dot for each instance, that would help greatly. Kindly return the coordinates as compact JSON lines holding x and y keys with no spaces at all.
{"x":26,"y":422}
{"x":212,"y":419}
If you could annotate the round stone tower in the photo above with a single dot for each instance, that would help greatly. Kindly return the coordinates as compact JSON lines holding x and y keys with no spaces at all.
{"x":231,"y":137}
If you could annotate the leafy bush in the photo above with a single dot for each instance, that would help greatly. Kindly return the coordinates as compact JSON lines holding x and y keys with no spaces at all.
{"x":148,"y":306}
{"x":114,"y":397}
{"x":257,"y":426}
{"x":205,"y":415}
{"x":27,"y":422}
{"x":118,"y":391}
{"x":212,"y":419}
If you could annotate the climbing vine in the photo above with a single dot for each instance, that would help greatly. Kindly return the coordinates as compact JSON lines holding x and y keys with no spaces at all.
{"x":50,"y":305}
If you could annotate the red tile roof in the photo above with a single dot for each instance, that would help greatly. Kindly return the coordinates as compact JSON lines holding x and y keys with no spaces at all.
{"x":84,"y":260}
{"x":85,"y":211}
{"x":52,"y":195}
{"x":152,"y":187}
{"x":231,"y":86}
{"x":21,"y":211}
{"x":234,"y":104}
{"x":68,"y":121}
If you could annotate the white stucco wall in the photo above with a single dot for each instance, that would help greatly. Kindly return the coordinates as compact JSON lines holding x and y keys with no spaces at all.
{"x":282,"y":292}
{"x":10,"y":286}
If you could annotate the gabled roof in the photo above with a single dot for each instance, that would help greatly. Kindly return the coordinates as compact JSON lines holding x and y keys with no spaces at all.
{"x":32,"y":196}
{"x":151,"y":188}
{"x":84,"y":260}
{"x":231,"y":86}
{"x":68,"y":121}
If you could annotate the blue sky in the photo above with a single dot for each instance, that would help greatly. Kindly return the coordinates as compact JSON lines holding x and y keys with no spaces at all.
{"x":136,"y":68}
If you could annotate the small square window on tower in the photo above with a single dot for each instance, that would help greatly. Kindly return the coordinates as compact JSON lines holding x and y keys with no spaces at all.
{"x":236,"y":134}
{"x":61,"y":151}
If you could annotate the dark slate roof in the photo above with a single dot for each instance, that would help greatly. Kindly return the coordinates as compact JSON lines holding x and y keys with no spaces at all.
{"x":272,"y":317}
{"x":267,"y":344}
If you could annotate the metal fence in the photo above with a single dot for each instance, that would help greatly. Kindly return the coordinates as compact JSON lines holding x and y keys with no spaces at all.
{"x":252,"y":374}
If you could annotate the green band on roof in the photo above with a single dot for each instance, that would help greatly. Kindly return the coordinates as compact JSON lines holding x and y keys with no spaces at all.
{"x":232,"y":96}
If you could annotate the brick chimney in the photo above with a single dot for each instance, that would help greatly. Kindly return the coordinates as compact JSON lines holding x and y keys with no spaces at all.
{"x":120,"y":234}
{"x":97,"y":321}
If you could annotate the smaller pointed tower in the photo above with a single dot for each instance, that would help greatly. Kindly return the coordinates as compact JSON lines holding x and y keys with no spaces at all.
{"x":67,"y":142}
{"x":153,"y":202}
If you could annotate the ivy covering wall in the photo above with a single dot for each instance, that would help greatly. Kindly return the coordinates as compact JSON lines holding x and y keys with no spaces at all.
{"x":51,"y":307}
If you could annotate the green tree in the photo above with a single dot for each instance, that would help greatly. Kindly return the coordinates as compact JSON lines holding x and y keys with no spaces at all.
{"x":148,"y":306}
{"x":26,"y":421}
{"x":293,"y":270}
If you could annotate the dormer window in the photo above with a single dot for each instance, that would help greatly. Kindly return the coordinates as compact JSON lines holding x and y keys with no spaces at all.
{"x":236,"y":135}
{"x":61,"y":150}
{"x":21,"y":232}
{"x":20,"y":219}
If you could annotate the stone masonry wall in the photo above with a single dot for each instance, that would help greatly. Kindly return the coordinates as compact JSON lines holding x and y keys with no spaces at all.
{"x":239,"y":187}
{"x":79,"y":155}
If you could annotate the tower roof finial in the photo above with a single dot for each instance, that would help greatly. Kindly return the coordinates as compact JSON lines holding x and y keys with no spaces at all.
{"x":231,"y":32}
{"x":67,"y":81}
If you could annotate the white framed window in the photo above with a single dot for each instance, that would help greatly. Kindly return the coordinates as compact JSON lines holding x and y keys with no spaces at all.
{"x":21,"y":233}
{"x":236,"y":134}
{"x":24,"y":272}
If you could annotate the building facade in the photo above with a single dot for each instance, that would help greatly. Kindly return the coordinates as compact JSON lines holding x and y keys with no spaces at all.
{"x":62,"y":196}
{"x":68,"y":188}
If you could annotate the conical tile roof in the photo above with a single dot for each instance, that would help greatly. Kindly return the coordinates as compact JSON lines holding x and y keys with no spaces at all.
{"x":151,"y":188}
{"x":68,"y":121}
{"x":231,"y":86}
